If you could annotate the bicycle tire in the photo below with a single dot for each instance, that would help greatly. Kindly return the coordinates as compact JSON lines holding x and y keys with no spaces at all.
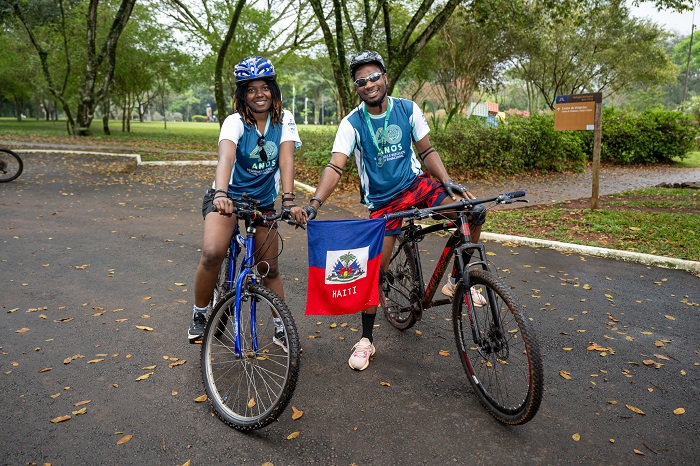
{"x":221,"y":288}
{"x":11,"y":165}
{"x":250,"y":391}
{"x":506,"y":369}
{"x":396,"y":290}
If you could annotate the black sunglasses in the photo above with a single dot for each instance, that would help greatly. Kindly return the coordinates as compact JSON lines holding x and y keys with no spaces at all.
{"x":261,"y":144}
{"x":374,"y":77}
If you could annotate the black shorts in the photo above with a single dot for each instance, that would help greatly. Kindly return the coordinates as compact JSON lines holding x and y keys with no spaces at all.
{"x":208,"y":207}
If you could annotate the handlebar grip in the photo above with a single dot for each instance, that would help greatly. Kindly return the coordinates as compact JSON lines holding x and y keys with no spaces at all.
{"x":515,"y":194}
{"x":404,"y":214}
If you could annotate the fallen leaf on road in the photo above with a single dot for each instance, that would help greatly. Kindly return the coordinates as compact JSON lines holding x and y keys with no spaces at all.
{"x":80,"y":403}
{"x":385,"y":384}
{"x":638,"y":452}
{"x":293,"y":435}
{"x":200,"y":399}
{"x":143,"y":327}
{"x":124,"y":439}
{"x":679,"y":411}
{"x":80,"y":411}
{"x":444,"y":353}
{"x":22,"y":330}
{"x":56,"y":420}
{"x":92,"y":361}
{"x":45,"y":369}
{"x":144,"y":376}
{"x":565,"y":374}
{"x":296,"y":413}
{"x":576,"y":437}
{"x":636,"y":410}
{"x":177,"y":363}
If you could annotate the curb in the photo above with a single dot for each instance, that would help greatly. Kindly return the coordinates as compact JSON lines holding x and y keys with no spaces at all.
{"x":627,"y":256}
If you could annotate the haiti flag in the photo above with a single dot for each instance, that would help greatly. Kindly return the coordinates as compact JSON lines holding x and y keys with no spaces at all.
{"x":344,"y":259}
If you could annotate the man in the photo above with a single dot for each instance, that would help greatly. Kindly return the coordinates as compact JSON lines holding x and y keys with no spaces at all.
{"x":381,"y":133}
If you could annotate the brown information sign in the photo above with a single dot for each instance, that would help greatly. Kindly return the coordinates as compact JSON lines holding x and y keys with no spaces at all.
{"x":576,"y":111}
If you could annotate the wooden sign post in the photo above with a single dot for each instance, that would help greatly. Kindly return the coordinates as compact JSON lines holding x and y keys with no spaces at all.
{"x":577,"y":112}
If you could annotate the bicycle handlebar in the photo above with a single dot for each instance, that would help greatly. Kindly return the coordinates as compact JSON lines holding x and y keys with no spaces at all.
{"x":462,"y":204}
{"x":247,"y":208}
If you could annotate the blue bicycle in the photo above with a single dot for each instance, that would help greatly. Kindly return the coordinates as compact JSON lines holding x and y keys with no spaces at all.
{"x":249,"y":365}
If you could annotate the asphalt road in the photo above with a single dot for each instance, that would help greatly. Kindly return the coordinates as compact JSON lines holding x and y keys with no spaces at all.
{"x":92,"y":247}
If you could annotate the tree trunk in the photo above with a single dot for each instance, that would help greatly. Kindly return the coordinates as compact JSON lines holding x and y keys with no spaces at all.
{"x":105,"y":115}
{"x":19,"y":104}
{"x":220,"y":59}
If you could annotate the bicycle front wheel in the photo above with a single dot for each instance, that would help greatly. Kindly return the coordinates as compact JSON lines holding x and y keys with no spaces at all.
{"x":251,"y":387}
{"x":221,"y":287}
{"x":498,"y":350}
{"x":396,"y":289}
{"x":10,"y":165}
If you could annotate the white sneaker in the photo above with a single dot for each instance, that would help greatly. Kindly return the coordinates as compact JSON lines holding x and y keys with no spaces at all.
{"x":477,"y":298}
{"x":359,"y":359}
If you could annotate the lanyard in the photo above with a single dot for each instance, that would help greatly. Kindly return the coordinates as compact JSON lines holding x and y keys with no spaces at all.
{"x":267,"y":124}
{"x":371,"y":127}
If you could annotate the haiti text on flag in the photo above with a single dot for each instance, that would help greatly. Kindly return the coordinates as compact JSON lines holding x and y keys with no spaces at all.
{"x":344,"y":259}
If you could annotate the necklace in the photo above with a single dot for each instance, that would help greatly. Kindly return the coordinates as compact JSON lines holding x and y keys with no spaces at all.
{"x":372,"y":132}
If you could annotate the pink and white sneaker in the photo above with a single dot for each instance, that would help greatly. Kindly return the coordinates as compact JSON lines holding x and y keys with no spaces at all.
{"x":361,"y":352}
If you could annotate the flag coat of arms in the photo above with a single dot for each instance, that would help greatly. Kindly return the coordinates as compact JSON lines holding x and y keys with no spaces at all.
{"x":344,"y":259}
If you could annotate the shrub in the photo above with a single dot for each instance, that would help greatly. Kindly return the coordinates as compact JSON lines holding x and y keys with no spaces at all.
{"x":199,"y":118}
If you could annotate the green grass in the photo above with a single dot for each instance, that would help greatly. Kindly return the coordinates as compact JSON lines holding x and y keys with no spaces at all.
{"x":652,"y":226}
{"x":691,"y":161}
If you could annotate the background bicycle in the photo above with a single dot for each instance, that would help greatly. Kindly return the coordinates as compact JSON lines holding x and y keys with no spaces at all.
{"x":249,"y":367}
{"x":11,"y":165}
{"x":495,"y":341}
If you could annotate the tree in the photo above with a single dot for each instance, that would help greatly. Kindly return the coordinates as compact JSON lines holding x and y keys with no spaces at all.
{"x":358,"y":25}
{"x":597,"y":48}
{"x":269,"y":28}
{"x":98,"y":65}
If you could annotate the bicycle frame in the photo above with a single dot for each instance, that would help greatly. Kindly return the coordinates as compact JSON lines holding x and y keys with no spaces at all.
{"x":240,"y":277}
{"x":413,"y":234}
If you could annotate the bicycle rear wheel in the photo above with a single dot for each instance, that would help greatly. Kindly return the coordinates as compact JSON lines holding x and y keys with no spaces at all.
{"x":10,"y":165}
{"x":503,"y":362}
{"x":250,"y":390}
{"x":395,"y":291}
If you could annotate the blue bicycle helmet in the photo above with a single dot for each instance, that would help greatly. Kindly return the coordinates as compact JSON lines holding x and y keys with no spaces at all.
{"x":363,"y":58}
{"x":252,"y":68}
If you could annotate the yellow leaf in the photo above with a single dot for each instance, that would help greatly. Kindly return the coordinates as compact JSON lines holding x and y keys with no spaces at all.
{"x":576,"y":437}
{"x":80,"y":411}
{"x":199,"y":399}
{"x":13,"y":310}
{"x":124,"y":439}
{"x":638,"y":452}
{"x":679,"y":411}
{"x":670,"y":317}
{"x":443,"y":352}
{"x":612,"y":440}
{"x":661,"y":356}
{"x":418,"y":332}
{"x":636,"y":410}
{"x":56,"y":420}
{"x":93,"y":361}
{"x":177,"y":363}
{"x":333,"y":325}
{"x":658,"y":344}
{"x":45,"y":369}
{"x":186,"y":463}
{"x":251,"y":403}
{"x":385,"y":384}
{"x":646,"y":333}
{"x":296,"y":413}
{"x":648,"y":362}
{"x":143,"y":327}
{"x":180,"y":284}
{"x":121,"y":320}
{"x":144,"y":376}
{"x":565,"y":374}
{"x":683,"y":372}
{"x":567,"y":349}
{"x":80,"y":403}
{"x":22,"y":330}
{"x":586,"y":286}
{"x":146,"y":298}
{"x":148,"y":368}
{"x":173,"y":393}
{"x":293,"y":435}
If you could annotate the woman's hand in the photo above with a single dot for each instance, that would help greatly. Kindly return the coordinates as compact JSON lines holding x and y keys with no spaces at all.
{"x":223,"y":205}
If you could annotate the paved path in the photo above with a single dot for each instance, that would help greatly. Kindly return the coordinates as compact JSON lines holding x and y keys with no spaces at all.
{"x":92,"y":247}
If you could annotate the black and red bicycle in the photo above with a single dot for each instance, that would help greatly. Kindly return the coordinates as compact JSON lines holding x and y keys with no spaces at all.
{"x":495,"y":341}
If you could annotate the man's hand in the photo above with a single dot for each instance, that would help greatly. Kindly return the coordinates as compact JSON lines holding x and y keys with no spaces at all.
{"x":310,"y":211}
{"x":452,"y":188}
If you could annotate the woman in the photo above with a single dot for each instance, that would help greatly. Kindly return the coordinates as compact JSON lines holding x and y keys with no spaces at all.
{"x":256,"y":152}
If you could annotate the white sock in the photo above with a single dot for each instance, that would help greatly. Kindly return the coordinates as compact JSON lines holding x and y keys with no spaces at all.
{"x":201,"y":310}
{"x":279,"y":326}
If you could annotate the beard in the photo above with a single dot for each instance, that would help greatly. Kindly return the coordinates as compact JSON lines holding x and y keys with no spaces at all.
{"x":376,"y":102}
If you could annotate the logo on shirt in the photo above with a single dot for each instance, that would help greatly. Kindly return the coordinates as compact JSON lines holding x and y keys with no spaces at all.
{"x":390,"y":143}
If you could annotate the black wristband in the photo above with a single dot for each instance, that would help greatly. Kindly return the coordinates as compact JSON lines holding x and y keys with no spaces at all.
{"x":221,"y":191}
{"x":221,"y":197}
{"x":320,"y":202}
{"x":288,"y":199}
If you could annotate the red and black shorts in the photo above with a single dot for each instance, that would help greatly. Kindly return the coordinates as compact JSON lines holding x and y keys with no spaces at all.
{"x":423,"y":192}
